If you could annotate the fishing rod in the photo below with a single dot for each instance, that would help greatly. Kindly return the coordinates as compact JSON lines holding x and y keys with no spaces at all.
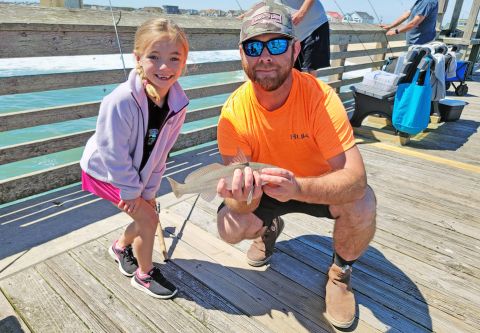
{"x":238,"y":3}
{"x":378,"y":19}
{"x":118,"y":40}
{"x":351,"y":26}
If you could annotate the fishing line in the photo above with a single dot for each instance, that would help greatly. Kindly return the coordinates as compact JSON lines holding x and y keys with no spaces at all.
{"x":238,"y":3}
{"x":378,"y":19}
{"x":351,"y":26}
{"x":118,"y":40}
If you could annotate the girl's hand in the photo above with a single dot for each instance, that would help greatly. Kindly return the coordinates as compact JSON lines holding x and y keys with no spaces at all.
{"x":280,"y":184}
{"x":152,"y":202}
{"x":130,"y":206}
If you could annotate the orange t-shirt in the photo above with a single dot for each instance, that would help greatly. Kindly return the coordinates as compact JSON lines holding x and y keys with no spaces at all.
{"x":311,"y":127}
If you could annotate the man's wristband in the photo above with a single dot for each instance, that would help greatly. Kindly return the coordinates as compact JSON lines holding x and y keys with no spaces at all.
{"x":396,"y":32}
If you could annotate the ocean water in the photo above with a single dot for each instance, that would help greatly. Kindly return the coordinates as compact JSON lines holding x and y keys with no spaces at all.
{"x":47,"y":65}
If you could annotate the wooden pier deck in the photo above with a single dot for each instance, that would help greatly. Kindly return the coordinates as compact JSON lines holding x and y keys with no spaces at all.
{"x":421,"y":272}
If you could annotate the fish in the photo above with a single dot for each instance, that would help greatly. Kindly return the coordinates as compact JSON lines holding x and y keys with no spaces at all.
{"x":204,"y":180}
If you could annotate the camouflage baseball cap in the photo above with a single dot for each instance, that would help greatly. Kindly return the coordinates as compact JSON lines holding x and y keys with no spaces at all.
{"x":266,"y":17}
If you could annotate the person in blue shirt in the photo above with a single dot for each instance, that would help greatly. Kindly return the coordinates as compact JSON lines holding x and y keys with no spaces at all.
{"x":420,"y":28}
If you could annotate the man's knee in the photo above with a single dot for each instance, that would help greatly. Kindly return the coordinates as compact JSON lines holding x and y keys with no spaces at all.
{"x":361,"y":211}
{"x":233,"y":227}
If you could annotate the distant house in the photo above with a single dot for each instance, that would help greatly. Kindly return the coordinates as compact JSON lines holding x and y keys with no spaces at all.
{"x":334,"y":17}
{"x":358,"y":17}
{"x":189,"y":11}
{"x":171,"y":9}
{"x":62,"y":3}
{"x":234,"y":13}
{"x":153,"y":9}
{"x":213,"y":12}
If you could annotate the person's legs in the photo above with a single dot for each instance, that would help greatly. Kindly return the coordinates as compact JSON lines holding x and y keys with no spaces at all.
{"x":354,"y":229}
{"x":315,"y":50}
{"x":354,"y":226}
{"x":264,"y":225}
{"x":234,"y":227}
{"x":141,"y":234}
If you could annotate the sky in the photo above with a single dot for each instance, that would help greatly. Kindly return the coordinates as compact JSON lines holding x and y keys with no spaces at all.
{"x":386,"y":10}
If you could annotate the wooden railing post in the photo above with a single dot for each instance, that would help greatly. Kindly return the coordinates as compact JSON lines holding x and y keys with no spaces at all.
{"x":381,"y":56}
{"x":338,"y":63}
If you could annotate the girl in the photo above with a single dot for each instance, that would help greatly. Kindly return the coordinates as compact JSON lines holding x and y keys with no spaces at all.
{"x":124,"y":160}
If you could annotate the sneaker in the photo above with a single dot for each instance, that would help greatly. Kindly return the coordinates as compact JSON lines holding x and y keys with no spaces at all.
{"x":127,"y":263}
{"x":261,"y":250}
{"x":154,"y":284}
{"x":339,"y":298}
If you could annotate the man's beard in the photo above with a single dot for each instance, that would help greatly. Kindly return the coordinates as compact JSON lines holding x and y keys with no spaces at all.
{"x":268,"y":83}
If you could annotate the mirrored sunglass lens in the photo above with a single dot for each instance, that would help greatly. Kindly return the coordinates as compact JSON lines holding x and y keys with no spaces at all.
{"x":277,"y":46}
{"x":253,"y":49}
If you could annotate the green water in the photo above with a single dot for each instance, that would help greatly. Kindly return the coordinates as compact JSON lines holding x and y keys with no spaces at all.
{"x":22,"y":102}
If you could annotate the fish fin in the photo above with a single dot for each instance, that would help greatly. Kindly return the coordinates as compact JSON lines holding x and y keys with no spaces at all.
{"x":175,"y":187}
{"x":240,"y":158}
{"x":203,"y":170}
{"x":208,"y":196}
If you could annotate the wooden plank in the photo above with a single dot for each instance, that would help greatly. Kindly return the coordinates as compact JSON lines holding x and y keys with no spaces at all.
{"x":269,"y":280}
{"x":35,"y":148}
{"x":195,"y":137}
{"x":412,"y":306}
{"x":208,"y":112}
{"x":204,"y":304}
{"x":408,"y":274}
{"x":302,"y":273}
{"x":214,"y":89}
{"x":45,"y":180}
{"x":303,"y":228}
{"x":105,"y":308}
{"x":345,"y":82}
{"x":17,"y":120}
{"x":36,"y":40}
{"x":368,"y":52}
{"x":39,"y":305}
{"x":242,"y":292}
{"x":342,"y":48}
{"x":44,"y":82}
{"x":30,"y":118}
{"x":359,"y":34}
{"x":10,"y":321}
{"x":383,"y":135}
{"x":344,"y":69}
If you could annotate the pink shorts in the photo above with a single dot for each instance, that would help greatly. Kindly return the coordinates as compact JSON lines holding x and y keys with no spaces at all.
{"x":103,"y":190}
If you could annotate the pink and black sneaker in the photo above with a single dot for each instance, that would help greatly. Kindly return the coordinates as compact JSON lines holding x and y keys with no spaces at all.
{"x":127,"y":263}
{"x":154,"y":284}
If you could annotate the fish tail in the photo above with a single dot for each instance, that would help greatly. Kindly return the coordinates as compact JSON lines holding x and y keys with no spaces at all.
{"x":176,"y":187}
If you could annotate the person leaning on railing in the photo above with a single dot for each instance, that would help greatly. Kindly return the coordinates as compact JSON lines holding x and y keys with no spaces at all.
{"x":289,"y":119}
{"x":420,"y":28}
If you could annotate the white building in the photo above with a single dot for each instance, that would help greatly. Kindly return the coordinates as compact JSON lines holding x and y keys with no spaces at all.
{"x":358,"y":17}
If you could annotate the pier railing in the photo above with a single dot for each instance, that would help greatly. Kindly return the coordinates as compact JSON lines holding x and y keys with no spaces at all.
{"x":354,"y":47}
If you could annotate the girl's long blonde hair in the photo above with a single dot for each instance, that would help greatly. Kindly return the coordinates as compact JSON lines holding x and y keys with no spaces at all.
{"x":149,"y":32}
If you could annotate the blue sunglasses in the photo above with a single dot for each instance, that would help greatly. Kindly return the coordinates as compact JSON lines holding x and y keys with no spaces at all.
{"x":276,"y":46}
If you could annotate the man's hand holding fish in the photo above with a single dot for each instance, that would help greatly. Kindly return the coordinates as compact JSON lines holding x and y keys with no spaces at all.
{"x":245,"y":189}
{"x":280,"y":184}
